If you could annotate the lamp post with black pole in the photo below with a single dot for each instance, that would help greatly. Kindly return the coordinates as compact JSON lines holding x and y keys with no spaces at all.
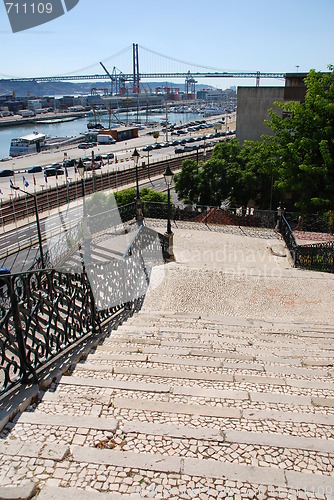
{"x":37,"y":223}
{"x":168,"y":175}
{"x":87,"y":237}
{"x":139,"y":213}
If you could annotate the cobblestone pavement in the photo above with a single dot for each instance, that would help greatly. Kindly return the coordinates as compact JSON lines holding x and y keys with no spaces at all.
{"x":211,"y":391}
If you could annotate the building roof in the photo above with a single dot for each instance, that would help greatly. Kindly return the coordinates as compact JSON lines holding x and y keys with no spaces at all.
{"x":32,"y":137}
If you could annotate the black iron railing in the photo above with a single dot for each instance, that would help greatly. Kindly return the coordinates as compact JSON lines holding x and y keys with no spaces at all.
{"x":44,"y":312}
{"x":288,"y":237}
{"x":212,"y":215}
{"x":316,"y":257}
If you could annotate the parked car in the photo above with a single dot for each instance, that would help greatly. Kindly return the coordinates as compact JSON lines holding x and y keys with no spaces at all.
{"x":85,"y":145}
{"x":52,"y":171}
{"x":179,"y":150}
{"x":149,"y":147}
{"x":70,"y":163}
{"x":34,"y":169}
{"x":6,"y":173}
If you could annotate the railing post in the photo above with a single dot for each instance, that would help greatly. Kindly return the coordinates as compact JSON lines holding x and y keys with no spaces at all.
{"x":25,"y":367}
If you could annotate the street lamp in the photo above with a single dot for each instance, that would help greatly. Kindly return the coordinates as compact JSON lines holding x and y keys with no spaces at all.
{"x":37,"y":222}
{"x":168,"y":175}
{"x":81,"y":171}
{"x":86,"y":236}
{"x":139,"y":214}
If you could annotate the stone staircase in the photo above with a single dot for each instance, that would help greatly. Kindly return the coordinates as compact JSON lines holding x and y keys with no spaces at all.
{"x":222,"y":386}
{"x":183,"y":406}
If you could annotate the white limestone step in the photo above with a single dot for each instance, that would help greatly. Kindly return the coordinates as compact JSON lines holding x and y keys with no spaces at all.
{"x":250,"y":474}
{"x":52,"y":492}
{"x":199,"y":391}
{"x":279,"y":441}
{"x":234,"y":321}
{"x":180,"y":408}
{"x":112,"y":363}
{"x":298,"y":349}
{"x":172,"y":431}
{"x":278,"y":336}
{"x":113,"y":384}
{"x":19,"y":448}
{"x":89,"y":422}
{"x":25,"y":491}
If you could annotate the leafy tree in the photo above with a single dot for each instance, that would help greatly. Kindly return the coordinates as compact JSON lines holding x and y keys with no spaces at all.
{"x":257,"y":175}
{"x":304,"y":144}
{"x":187,"y":181}
{"x":154,"y":203}
{"x":152,"y":196}
{"x":125,"y":197}
{"x":156,"y":135}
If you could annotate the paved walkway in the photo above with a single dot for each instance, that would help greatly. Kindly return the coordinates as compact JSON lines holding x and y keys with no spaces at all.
{"x":221,"y":387}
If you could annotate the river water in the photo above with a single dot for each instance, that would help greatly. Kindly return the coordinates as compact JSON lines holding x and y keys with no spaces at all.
{"x":76,"y":127}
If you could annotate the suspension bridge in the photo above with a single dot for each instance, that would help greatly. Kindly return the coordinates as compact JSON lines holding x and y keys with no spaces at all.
{"x":191,"y":72}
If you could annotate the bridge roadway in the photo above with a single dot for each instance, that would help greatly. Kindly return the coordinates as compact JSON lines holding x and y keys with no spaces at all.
{"x":145,"y":76}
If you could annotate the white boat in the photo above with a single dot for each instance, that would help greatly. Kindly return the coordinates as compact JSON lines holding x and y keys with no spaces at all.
{"x":27,"y":144}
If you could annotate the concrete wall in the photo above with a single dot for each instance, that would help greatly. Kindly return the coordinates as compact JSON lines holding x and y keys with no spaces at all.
{"x":252,"y":110}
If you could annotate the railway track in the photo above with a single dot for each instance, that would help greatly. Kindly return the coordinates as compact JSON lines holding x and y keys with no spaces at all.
{"x":23,"y":206}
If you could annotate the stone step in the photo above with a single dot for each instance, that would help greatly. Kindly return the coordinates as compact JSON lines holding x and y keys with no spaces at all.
{"x":288,"y":357}
{"x":277,"y":336}
{"x":122,"y":348}
{"x":227,"y":473}
{"x":249,"y":346}
{"x":105,"y":362}
{"x":217,"y":320}
{"x":86,"y":370}
{"x":91,"y":422}
{"x":51,"y":492}
{"x":186,"y":390}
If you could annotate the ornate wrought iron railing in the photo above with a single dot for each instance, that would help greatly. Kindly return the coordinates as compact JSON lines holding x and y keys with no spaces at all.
{"x":289,"y":238}
{"x":316,"y":257}
{"x":44,"y":312}
{"x":212,"y":215}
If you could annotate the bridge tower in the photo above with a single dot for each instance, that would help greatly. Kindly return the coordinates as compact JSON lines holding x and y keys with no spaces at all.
{"x":190,"y":84}
{"x":136,"y":77}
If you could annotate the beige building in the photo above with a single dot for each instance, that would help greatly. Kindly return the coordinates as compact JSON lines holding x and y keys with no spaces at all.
{"x":253,"y":104}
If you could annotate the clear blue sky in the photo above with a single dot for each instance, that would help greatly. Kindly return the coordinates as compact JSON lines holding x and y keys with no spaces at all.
{"x":265,"y":35}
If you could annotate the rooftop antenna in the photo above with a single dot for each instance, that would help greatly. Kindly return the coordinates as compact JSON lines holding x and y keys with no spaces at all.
{"x":297,"y":66}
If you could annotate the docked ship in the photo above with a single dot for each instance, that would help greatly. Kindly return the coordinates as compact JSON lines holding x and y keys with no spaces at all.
{"x":27,"y":144}
{"x":36,"y":142}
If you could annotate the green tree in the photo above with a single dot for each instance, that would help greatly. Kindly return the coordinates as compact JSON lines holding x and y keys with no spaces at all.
{"x":304,"y":144}
{"x":257,"y":175}
{"x":156,"y":135}
{"x":187,"y":181}
{"x":125,"y":197}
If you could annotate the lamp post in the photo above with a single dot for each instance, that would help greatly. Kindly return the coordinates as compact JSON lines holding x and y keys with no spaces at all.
{"x":81,"y":171}
{"x":168,"y":175}
{"x":37,"y":223}
{"x":139,"y":214}
{"x":86,"y":236}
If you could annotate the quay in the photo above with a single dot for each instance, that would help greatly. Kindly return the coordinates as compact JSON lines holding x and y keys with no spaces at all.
{"x":220,"y":386}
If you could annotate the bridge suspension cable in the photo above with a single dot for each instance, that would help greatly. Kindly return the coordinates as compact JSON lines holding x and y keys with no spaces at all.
{"x":187,"y":63}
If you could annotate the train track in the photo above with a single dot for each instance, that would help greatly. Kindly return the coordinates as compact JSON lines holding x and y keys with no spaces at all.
{"x":23,"y":207}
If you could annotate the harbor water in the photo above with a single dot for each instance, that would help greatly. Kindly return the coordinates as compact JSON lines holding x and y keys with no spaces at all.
{"x":76,"y":127}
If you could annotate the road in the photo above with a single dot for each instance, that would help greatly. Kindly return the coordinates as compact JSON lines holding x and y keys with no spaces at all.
{"x":25,"y":238}
{"x":122,"y":151}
